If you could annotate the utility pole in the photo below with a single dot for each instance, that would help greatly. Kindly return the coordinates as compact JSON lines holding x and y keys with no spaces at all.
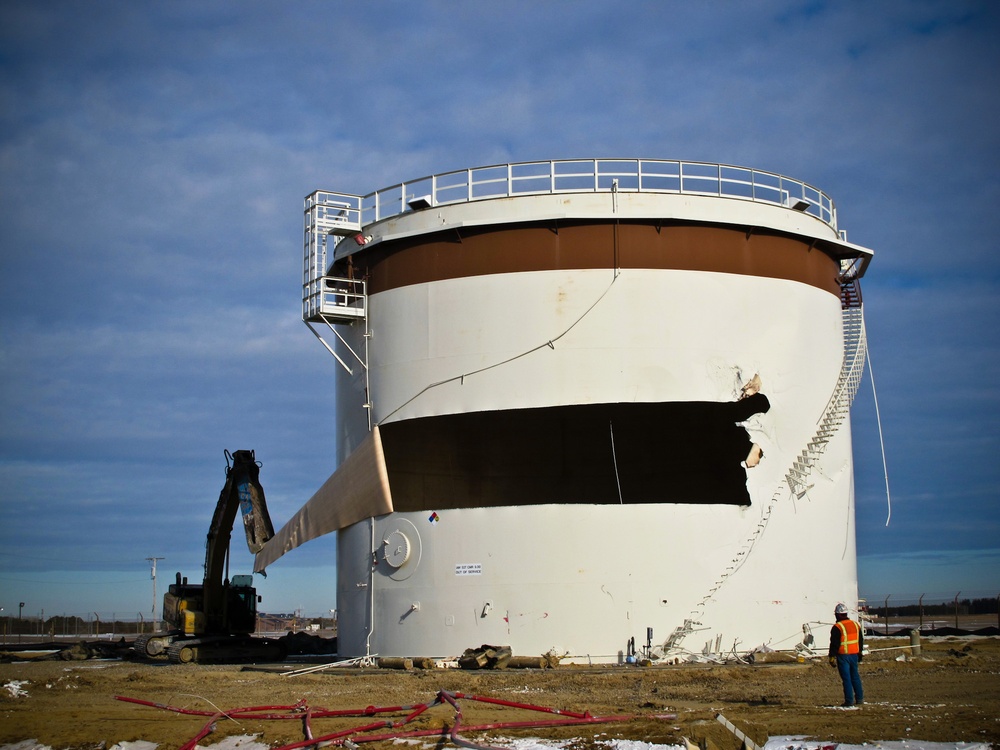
{"x":152,"y":574}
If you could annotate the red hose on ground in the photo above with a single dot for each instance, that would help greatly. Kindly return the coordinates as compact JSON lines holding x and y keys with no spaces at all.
{"x":527,"y":706}
{"x":364,"y":733}
{"x":205,"y":731}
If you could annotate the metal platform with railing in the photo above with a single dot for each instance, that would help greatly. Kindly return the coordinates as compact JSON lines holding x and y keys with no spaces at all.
{"x":328,"y":213}
{"x":338,"y":300}
{"x":347,"y":212}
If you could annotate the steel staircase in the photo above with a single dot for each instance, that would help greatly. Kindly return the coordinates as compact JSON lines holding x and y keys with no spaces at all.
{"x":838,"y":407}
{"x":834,"y":415}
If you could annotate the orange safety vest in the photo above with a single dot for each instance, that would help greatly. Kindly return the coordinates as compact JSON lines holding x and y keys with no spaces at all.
{"x":849,"y":636}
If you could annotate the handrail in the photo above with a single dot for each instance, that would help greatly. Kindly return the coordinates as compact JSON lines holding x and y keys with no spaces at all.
{"x":334,"y":296}
{"x":596,"y":175}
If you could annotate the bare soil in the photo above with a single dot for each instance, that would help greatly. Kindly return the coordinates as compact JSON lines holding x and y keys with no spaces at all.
{"x":949,"y":693}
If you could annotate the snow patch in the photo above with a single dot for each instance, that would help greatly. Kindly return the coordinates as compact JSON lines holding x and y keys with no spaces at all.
{"x":533,"y":743}
{"x":239,"y":742}
{"x":638,"y":745}
{"x":16,"y":689}
{"x":249,"y":742}
{"x":799,"y":743}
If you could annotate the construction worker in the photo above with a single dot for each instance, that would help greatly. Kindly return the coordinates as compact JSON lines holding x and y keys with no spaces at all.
{"x":847,"y":640}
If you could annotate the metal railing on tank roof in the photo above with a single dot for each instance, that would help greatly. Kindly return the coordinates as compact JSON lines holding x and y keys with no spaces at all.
{"x":598,"y":175}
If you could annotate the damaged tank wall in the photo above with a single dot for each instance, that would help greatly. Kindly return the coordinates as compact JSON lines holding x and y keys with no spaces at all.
{"x":581,"y":577}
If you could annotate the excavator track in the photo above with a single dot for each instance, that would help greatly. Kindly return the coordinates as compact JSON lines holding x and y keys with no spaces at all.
{"x":225,"y":650}
{"x":153,"y":644}
{"x":183,"y":652}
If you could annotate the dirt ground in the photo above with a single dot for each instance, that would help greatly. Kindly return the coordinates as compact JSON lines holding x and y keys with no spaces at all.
{"x":949,"y":693}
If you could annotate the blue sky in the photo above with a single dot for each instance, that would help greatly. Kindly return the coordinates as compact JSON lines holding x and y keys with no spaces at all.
{"x":153,"y":161}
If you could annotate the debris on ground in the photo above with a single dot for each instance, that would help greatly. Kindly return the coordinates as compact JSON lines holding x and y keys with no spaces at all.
{"x":79,"y":651}
{"x":485,"y":657}
{"x":934,"y":697}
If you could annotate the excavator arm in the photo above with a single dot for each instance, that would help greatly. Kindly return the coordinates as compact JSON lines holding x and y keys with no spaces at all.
{"x":242,"y":491}
{"x":214,"y":620}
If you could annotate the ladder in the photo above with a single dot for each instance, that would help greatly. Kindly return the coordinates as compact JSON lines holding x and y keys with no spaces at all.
{"x":326,"y":299}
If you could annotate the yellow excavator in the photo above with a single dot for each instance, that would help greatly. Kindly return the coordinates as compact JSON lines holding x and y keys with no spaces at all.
{"x":214,"y":621}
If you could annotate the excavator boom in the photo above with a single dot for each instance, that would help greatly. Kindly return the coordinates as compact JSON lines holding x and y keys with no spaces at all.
{"x":214,"y":620}
{"x":241,"y":491}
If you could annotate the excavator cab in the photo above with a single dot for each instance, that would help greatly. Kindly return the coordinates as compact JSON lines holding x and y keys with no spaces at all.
{"x":242,"y":600}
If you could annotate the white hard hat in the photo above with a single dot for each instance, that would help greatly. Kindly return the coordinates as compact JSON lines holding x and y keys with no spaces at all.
{"x":841,"y":609}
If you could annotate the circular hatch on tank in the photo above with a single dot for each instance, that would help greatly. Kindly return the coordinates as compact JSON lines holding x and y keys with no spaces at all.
{"x":400,"y":548}
{"x":396,"y":548}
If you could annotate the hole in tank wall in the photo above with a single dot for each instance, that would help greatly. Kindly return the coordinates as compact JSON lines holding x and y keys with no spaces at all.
{"x":634,"y":453}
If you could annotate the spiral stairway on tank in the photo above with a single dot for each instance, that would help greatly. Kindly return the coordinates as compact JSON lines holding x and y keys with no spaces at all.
{"x":797,"y":477}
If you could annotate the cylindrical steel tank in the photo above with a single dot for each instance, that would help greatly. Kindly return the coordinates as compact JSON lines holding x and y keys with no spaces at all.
{"x":612,"y":396}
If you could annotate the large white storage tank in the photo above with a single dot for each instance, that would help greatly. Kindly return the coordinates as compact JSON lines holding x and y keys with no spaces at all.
{"x":586,"y":402}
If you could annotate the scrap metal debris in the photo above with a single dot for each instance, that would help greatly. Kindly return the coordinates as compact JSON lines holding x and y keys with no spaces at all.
{"x":745,"y":742}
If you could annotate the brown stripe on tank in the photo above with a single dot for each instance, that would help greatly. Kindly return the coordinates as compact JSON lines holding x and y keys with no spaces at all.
{"x":497,"y":249}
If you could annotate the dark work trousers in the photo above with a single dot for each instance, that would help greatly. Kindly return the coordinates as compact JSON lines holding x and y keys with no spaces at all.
{"x":847,"y":666}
